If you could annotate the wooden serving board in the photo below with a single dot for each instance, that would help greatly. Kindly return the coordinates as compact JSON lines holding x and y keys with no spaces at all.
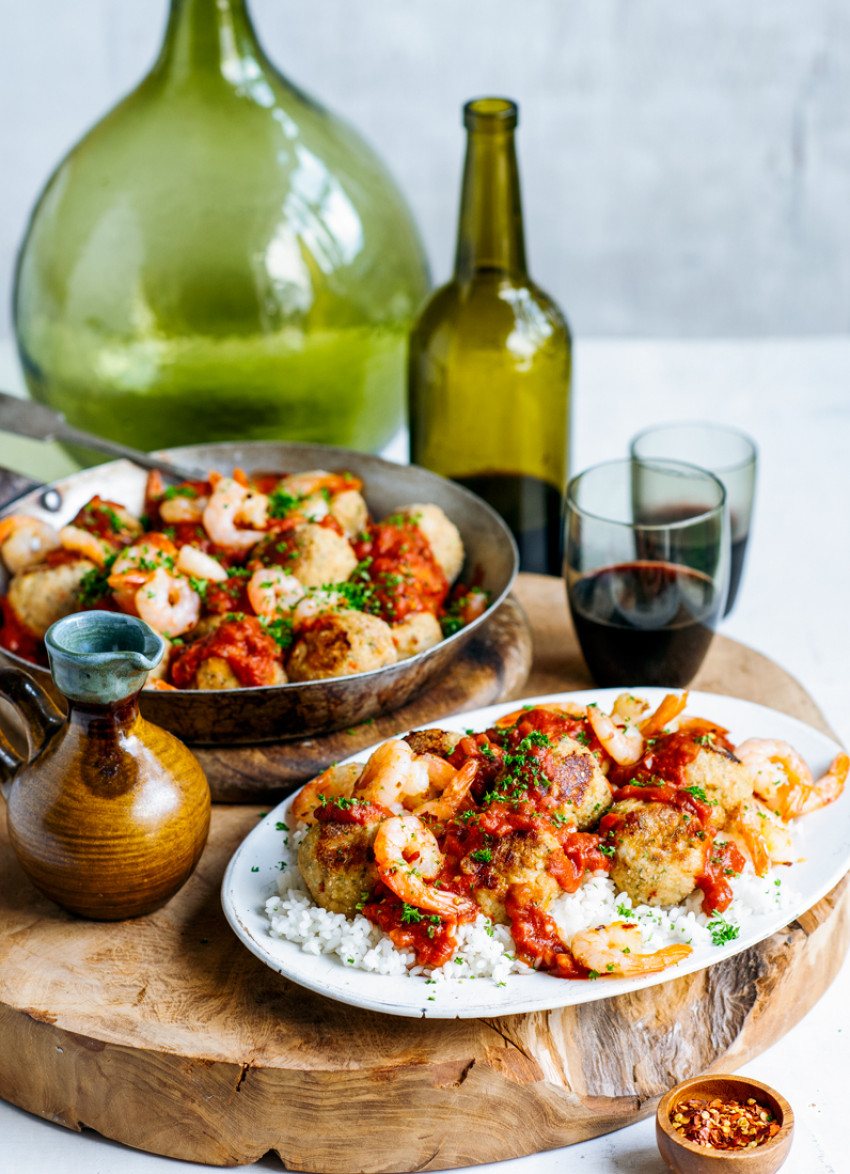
{"x":164,"y":1033}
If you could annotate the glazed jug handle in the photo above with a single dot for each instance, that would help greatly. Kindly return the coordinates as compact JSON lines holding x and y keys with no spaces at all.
{"x":40,"y":714}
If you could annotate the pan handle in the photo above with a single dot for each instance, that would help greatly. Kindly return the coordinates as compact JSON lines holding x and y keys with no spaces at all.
{"x":42,"y":718}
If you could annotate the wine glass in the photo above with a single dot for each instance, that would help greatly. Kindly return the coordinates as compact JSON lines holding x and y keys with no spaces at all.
{"x":730,"y":455}
{"x":646,"y":574}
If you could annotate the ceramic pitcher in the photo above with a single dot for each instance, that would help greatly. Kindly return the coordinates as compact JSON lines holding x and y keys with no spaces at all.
{"x":109,"y":814}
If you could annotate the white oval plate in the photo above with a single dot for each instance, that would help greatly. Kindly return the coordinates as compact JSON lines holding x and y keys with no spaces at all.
{"x":822,"y":839}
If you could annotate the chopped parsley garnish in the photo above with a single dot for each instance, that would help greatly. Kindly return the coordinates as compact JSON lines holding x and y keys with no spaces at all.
{"x":179,"y":491}
{"x":482,"y":855}
{"x":199,"y":586}
{"x":723,"y":931}
{"x":95,"y":583}
{"x":280,"y":630}
{"x":282,"y":503}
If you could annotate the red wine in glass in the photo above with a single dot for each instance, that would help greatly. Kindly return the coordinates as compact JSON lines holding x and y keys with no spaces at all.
{"x":737,"y":550}
{"x":644,"y":621}
{"x":646,"y":544}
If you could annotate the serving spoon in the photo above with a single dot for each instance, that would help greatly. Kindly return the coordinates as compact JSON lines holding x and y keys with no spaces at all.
{"x":25,"y":418}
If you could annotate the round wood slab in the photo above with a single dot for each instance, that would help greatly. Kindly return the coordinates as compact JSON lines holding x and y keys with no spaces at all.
{"x":165,"y":1034}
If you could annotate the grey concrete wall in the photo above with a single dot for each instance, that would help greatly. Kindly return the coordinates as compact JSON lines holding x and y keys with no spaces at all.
{"x":685,"y":163}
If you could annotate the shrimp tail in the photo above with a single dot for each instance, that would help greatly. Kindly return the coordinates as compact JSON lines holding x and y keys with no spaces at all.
{"x":670,"y":708}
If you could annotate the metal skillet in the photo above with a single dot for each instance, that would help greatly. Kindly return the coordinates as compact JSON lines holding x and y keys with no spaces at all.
{"x":297,"y":710}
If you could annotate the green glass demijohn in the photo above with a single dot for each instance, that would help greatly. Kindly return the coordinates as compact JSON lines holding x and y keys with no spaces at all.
{"x":220,"y":258}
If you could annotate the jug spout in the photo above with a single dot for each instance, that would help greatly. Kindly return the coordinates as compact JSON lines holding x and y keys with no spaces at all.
{"x":99,"y":657}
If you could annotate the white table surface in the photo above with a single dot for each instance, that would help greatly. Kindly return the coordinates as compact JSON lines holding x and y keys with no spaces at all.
{"x":793,"y":397}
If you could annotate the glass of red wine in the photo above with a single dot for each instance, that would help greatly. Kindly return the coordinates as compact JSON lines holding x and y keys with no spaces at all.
{"x":646,"y":576}
{"x":727,"y":453}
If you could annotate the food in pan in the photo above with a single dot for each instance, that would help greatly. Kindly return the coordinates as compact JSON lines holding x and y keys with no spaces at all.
{"x":562,"y":839}
{"x":252,"y":581}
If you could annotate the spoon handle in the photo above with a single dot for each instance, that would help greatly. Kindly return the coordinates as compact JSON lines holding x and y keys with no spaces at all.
{"x":25,"y":418}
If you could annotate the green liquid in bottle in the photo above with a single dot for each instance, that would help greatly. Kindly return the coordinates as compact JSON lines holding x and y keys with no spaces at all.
{"x":220,"y":259}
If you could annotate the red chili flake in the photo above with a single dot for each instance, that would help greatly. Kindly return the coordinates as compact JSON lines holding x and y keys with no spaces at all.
{"x":724,"y":1125}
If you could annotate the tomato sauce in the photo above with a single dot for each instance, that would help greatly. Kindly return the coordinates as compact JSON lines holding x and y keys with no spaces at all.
{"x":248,"y":649}
{"x":722,"y":861}
{"x":354,"y":811}
{"x":99,"y":517}
{"x":16,"y":637}
{"x":669,"y":756}
{"x":434,"y":938}
{"x":231,"y":595}
{"x":401,"y":566}
{"x":676,"y":796}
{"x":537,"y":938}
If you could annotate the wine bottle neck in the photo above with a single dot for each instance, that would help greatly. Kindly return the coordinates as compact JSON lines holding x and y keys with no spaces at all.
{"x":209,"y":36}
{"x":490,"y":232}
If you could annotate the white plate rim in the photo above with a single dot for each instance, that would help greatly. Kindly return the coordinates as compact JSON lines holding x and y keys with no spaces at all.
{"x":248,"y":882}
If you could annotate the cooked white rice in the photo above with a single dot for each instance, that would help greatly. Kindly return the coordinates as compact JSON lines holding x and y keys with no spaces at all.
{"x":486,"y":950}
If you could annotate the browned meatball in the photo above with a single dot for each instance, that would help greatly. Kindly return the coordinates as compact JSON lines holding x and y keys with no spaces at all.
{"x":317,"y":556}
{"x":337,"y":862}
{"x":442,"y":534}
{"x":44,"y":594}
{"x":659,"y":852}
{"x":579,"y":787}
{"x":415,"y":633}
{"x":519,"y":858}
{"x":725,"y":780}
{"x":350,"y":510}
{"x":341,"y":643}
{"x":438,"y":742}
{"x":214,"y":672}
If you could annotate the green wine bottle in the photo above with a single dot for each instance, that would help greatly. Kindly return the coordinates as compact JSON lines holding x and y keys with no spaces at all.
{"x":220,"y":258}
{"x":490,"y":356}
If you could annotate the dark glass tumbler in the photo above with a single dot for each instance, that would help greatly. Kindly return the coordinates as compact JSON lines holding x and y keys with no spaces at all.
{"x":727,"y":453}
{"x":646,"y":577}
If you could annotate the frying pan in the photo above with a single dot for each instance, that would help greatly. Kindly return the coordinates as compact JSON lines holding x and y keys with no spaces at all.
{"x":299,"y":709}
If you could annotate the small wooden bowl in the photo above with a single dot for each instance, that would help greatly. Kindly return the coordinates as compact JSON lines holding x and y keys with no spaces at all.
{"x":685,"y":1157}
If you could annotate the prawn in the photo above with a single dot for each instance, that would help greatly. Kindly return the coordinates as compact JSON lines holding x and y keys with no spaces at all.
{"x":764,"y":835}
{"x":25,"y":540}
{"x":337,"y":782}
{"x":316,"y":481}
{"x":613,"y":949}
{"x":89,"y":545}
{"x":780,"y":776}
{"x":168,"y":603}
{"x":183,"y":507}
{"x":272,"y":591}
{"x":135,"y":564}
{"x":454,"y":792}
{"x":664,"y":715}
{"x":827,"y":789}
{"x":194,"y":562}
{"x":316,"y":603}
{"x":394,"y":774}
{"x":230,"y":504}
{"x":629,"y":707}
{"x":408,"y":856}
{"x":623,"y":743}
